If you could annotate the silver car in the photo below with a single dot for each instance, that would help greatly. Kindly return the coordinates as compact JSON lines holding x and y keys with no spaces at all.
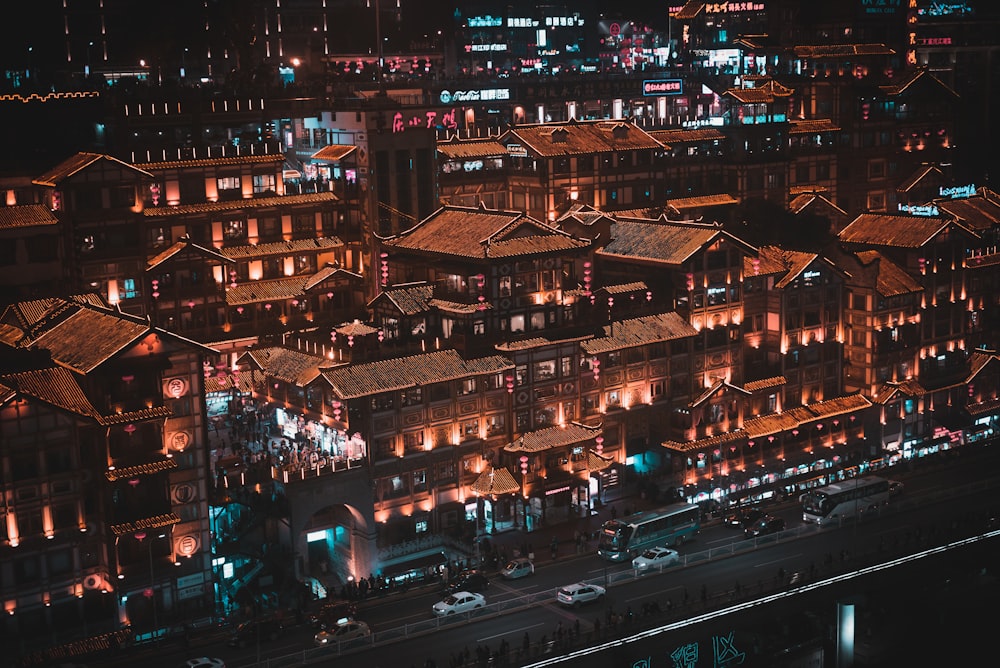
{"x":517,"y":568}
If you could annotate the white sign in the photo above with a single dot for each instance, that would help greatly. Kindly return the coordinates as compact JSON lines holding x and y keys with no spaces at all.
{"x":447,"y":97}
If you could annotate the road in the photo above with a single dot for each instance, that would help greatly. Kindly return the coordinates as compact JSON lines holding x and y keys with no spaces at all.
{"x":720,"y":568}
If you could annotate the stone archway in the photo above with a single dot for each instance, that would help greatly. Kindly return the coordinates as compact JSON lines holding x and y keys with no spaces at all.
{"x":332,"y":528}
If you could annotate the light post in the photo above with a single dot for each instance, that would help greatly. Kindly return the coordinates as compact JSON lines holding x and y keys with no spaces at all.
{"x":86,"y":69}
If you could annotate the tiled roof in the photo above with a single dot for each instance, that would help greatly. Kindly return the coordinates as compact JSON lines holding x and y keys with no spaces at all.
{"x":983,"y":407}
{"x":584,"y":214}
{"x":716,"y":386}
{"x":622,"y":288}
{"x":329,"y":271}
{"x":410,"y":300}
{"x":86,"y":339}
{"x":898,"y":231}
{"x":705,"y":443}
{"x":356,"y":328}
{"x":484,"y":233}
{"x":766,"y":92}
{"x":362,"y":380}
{"x":222,"y":161}
{"x":841,"y":50}
{"x":764,"y":383}
{"x":596,"y":462}
{"x":805,"y":200}
{"x":553,"y":437}
{"x":56,"y":386}
{"x":287,"y":365}
{"x":180,"y":246}
{"x":775,"y":260}
{"x":690,"y":10}
{"x":470,"y":148}
{"x":892,"y":279}
{"x":256,"y":292}
{"x":334,"y":152}
{"x":575,"y":137}
{"x":681,"y":203}
{"x":671,"y":137}
{"x":978,"y":213}
{"x":253,"y":251}
{"x":495,"y":481}
{"x":767,"y":425}
{"x":458,"y":307}
{"x":227,"y":382}
{"x":639,"y":331}
{"x":911,"y":77}
{"x":27,"y":215}
{"x":800,"y":127}
{"x":537,"y":342}
{"x":667,"y":243}
{"x":235,"y":205}
{"x":76,"y":163}
{"x":919,"y":175}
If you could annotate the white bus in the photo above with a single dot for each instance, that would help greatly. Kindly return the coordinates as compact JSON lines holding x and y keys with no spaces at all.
{"x":843,"y":500}
{"x":625,"y":538}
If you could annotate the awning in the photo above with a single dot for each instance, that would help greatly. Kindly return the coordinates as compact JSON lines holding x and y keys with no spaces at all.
{"x":414,"y":564}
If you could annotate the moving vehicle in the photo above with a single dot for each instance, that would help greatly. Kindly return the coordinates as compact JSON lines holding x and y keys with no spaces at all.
{"x":763,"y":526}
{"x":460,"y":601}
{"x":468,"y":580}
{"x":204,"y":662}
{"x":741,"y":518}
{"x":260,"y":630}
{"x":577,"y":594}
{"x":342,"y":632}
{"x":895,"y":487}
{"x":656,"y":557}
{"x":627,"y":538}
{"x":517,"y":568}
{"x":843,"y":500}
{"x":332,"y":614}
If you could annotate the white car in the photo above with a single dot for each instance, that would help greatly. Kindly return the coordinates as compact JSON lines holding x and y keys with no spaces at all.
{"x":577,"y":594}
{"x":347,"y":630}
{"x":460,"y":601}
{"x":656,"y":557}
{"x":204,"y":662}
{"x":517,"y":568}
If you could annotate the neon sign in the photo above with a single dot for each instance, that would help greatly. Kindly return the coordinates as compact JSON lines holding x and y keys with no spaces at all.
{"x":725,"y":7}
{"x":657,"y":87}
{"x":485,"y":21}
{"x":919,"y":209}
{"x":429,"y":119}
{"x":486,"y":94}
{"x":958,"y":192}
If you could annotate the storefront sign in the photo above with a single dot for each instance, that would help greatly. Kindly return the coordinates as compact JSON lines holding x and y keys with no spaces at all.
{"x":428,"y":119}
{"x":517,"y":151}
{"x":728,"y":7}
{"x":483,"y":95}
{"x":175,"y":388}
{"x":919,"y":209}
{"x":178,"y":440}
{"x":557,"y":490}
{"x":958,"y":192}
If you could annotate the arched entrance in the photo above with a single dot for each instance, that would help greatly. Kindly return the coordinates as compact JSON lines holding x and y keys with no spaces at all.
{"x":334,"y":548}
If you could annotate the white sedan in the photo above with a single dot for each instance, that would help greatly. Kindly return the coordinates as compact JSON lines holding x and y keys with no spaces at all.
{"x":460,"y":601}
{"x":342,"y":632}
{"x":656,"y":557}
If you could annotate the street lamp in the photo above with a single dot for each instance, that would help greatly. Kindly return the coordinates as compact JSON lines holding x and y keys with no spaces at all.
{"x":86,"y":69}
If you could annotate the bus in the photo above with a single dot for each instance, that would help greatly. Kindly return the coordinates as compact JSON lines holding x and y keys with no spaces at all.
{"x":625,"y":538}
{"x":843,"y":500}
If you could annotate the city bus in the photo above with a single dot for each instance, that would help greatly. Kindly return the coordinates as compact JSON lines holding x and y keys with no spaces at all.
{"x":625,"y":538}
{"x":843,"y":500}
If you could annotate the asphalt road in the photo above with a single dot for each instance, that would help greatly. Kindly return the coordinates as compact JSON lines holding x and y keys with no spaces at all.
{"x":720,"y":569}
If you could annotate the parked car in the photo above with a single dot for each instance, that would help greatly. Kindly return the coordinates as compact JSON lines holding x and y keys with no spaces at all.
{"x":460,"y":601}
{"x":332,"y":613}
{"x":468,"y":580}
{"x":895,"y":487}
{"x":518,"y":568}
{"x":656,"y":557}
{"x":254,"y":631}
{"x":204,"y":662}
{"x":765,"y":525}
{"x":347,"y":630}
{"x":577,"y":594}
{"x":741,"y":518}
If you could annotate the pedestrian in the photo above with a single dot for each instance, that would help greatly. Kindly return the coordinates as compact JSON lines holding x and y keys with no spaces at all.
{"x":555,"y":547}
{"x":614,"y":513}
{"x":526,"y":643}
